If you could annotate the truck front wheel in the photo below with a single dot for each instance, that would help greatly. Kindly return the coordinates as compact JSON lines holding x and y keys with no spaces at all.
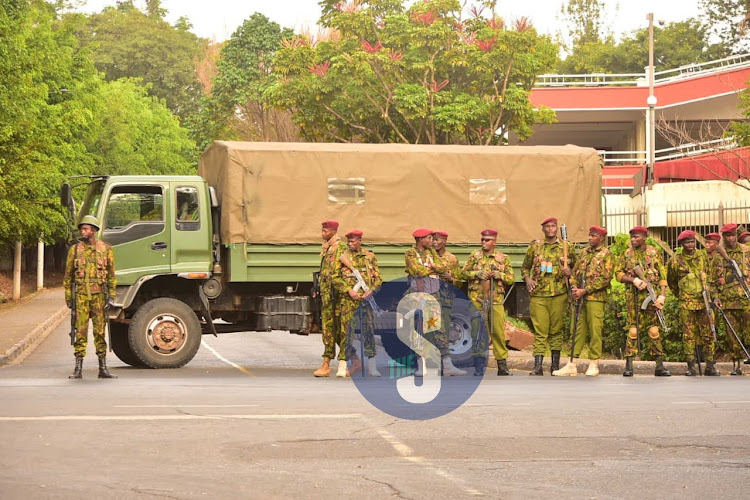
{"x":164,"y":333}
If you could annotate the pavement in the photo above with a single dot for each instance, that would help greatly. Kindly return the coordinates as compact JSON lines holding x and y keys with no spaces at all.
{"x":26,"y":324}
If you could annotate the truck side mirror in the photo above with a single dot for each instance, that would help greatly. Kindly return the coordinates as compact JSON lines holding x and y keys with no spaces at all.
{"x":66,"y":198}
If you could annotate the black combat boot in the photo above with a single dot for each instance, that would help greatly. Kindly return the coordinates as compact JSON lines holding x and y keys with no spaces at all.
{"x":538,"y":366}
{"x":555,"y":365}
{"x":628,"y":372}
{"x":479,"y":365}
{"x":711,"y":370}
{"x":103,"y":372}
{"x":77,"y":369}
{"x":691,"y":367}
{"x":502,"y":368}
{"x":660,"y":371}
{"x":737,"y":367}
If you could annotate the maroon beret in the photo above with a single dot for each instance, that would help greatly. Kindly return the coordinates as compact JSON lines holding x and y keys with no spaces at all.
{"x":728,"y":228}
{"x":713,"y":236}
{"x":421,"y":232}
{"x":686,"y":235}
{"x":549,"y":219}
{"x":598,"y":230}
{"x":354,"y":233}
{"x":442,"y":234}
{"x":330,"y":224}
{"x":743,"y":235}
{"x":639,"y":230}
{"x":489,"y":232}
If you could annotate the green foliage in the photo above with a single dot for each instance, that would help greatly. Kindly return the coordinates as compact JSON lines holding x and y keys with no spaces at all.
{"x":584,"y":20}
{"x":741,"y":130}
{"x":388,"y":73}
{"x":729,"y":21}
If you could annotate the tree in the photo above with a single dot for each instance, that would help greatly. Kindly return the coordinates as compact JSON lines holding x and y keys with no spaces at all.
{"x":416,"y":75}
{"x":729,"y":20}
{"x":583,"y":19}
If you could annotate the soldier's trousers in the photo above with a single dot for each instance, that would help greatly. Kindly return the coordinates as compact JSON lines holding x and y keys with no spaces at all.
{"x":649,"y":329}
{"x":90,"y":308}
{"x":329,"y":318}
{"x":740,"y":320}
{"x":589,"y":331}
{"x":356,"y":320}
{"x":497,"y":335}
{"x":696,"y":329}
{"x":441,"y":338}
{"x":547,"y":317}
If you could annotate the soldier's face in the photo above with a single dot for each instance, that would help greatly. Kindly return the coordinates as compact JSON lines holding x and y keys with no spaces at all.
{"x":354,"y":244}
{"x":438,"y":243}
{"x":87,"y":231}
{"x":711,"y":245}
{"x":595,"y":239}
{"x":425,"y":242}
{"x":550,"y":229}
{"x":488,"y":243}
{"x":327,"y":233}
{"x":688,"y":245}
{"x":637,"y":240}
{"x":730,"y":239}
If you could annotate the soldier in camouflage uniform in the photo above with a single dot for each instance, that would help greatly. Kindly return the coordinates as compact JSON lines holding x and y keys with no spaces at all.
{"x":650,"y":260}
{"x":345,"y":282}
{"x":591,"y":281}
{"x":731,"y":296}
{"x":450,"y":280}
{"x":545,"y":275}
{"x":484,"y":266}
{"x":687,"y":275}
{"x":90,"y":267}
{"x":330,"y":252}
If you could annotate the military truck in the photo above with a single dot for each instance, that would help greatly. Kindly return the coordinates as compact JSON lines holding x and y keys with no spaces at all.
{"x":235,"y":247}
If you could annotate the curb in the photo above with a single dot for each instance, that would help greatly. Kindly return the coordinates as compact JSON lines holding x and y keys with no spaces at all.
{"x":607,"y":366}
{"x":33,"y":337}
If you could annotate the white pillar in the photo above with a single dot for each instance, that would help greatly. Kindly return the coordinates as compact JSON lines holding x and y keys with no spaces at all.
{"x":17,"y":272}
{"x":40,"y":264}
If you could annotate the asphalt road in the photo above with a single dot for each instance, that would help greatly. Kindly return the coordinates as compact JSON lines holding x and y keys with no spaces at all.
{"x":246,"y":419}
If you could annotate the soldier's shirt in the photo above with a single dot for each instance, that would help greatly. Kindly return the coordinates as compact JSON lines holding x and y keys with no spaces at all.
{"x":330,"y":252}
{"x":686,"y":275}
{"x":418,"y":262}
{"x":91,"y":268}
{"x":731,"y":294}
{"x":363,"y":261}
{"x":452,"y":272}
{"x":597,"y":266}
{"x":542,"y":254}
{"x":489,"y":263}
{"x":649,"y":258}
{"x":715,"y":270}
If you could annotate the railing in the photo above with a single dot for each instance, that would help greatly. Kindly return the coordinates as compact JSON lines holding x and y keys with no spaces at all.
{"x":615,"y":158}
{"x":640,"y":79}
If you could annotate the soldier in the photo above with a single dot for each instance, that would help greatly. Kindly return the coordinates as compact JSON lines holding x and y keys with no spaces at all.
{"x":423,"y":267}
{"x":487,"y":269}
{"x":545,"y":275}
{"x":649,"y":259}
{"x":687,"y":274}
{"x":345,"y":282}
{"x":330,"y":252}
{"x":450,"y":280}
{"x":91,"y":268}
{"x":591,"y":280}
{"x":744,"y":237}
{"x":731,"y":295}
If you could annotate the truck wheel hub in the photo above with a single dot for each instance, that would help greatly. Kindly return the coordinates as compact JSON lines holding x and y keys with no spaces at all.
{"x":166,"y":333}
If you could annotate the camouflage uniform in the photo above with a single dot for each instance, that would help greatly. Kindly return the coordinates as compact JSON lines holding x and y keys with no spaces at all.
{"x":423,"y":279}
{"x":451,"y":279}
{"x":344,"y":280}
{"x":686,"y":275}
{"x":329,"y":313}
{"x":596,"y":266}
{"x":489,"y":263}
{"x":653,"y":270}
{"x":549,"y":299}
{"x":733,"y":300}
{"x":92,"y":269}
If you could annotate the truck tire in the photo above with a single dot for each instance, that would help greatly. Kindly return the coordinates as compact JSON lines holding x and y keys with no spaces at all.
{"x":121,"y":345}
{"x":165,"y":333}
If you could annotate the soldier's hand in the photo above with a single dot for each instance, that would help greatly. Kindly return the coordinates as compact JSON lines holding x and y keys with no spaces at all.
{"x":367,"y":294}
{"x":530,"y":284}
{"x":578,"y":293}
{"x":639,"y":283}
{"x":660,"y":300}
{"x":482,"y":275}
{"x":354,"y":295}
{"x":497,"y":275}
{"x":717,"y":302}
{"x":110,"y":303}
{"x":566,"y":272}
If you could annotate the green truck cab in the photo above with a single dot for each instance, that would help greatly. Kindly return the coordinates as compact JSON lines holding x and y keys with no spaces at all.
{"x":235,"y":248}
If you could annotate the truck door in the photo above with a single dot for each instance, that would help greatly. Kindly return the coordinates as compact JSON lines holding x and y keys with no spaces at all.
{"x":134,"y":224}
{"x":191,"y":228}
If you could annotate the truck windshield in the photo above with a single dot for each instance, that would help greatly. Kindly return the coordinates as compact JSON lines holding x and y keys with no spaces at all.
{"x":92,"y":199}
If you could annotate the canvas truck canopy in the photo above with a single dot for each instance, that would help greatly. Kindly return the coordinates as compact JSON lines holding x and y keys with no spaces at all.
{"x":280,"y":192}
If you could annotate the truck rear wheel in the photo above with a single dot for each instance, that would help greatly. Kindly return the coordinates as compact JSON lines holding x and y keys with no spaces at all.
{"x":165,"y":333}
{"x":121,"y":344}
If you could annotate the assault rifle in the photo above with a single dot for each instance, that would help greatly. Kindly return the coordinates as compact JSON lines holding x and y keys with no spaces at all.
{"x":361,"y":285}
{"x":73,"y":314}
{"x":734,"y":332}
{"x":651,"y":298}
{"x":735,"y":270}
{"x":707,"y":303}
{"x":566,"y":263}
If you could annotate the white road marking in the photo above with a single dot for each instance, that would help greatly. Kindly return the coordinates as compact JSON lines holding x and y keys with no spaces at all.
{"x":222,"y":358}
{"x":64,"y":418}
{"x":408,"y":454}
{"x":184,"y":406}
{"x":709,"y":402}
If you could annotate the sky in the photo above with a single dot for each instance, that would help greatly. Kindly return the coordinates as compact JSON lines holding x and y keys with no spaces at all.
{"x":218,"y":19}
